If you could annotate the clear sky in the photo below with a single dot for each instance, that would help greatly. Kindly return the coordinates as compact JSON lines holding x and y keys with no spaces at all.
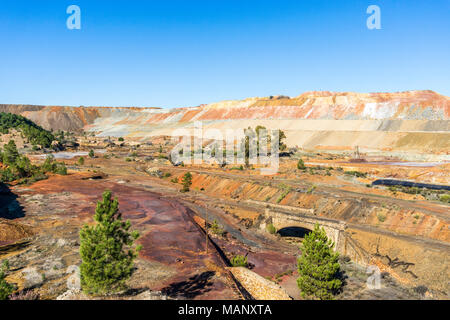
{"x":188,"y":52}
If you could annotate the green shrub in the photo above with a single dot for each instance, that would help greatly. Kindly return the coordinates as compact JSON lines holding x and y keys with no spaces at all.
{"x":81,"y":161}
{"x":393,"y":189}
{"x":91,"y":154}
{"x":239,"y":261}
{"x":6,"y":289}
{"x":445,"y":198}
{"x":186,"y":181}
{"x":34,"y":178}
{"x":381,"y":217}
{"x":311,"y":189}
{"x":61,"y":169}
{"x":286,"y":190}
{"x":22,"y":169}
{"x":50,"y":165}
{"x":278,"y":277}
{"x":6,"y":175}
{"x":271,"y":229}
{"x":356,"y":174}
{"x":217,"y":229}
{"x":301,"y":165}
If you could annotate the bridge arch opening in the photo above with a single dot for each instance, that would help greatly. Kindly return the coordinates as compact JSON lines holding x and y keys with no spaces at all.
{"x":293,"y":234}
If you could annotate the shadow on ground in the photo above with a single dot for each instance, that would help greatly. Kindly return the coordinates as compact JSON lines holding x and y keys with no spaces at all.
{"x":193,"y":287}
{"x":10,"y":208}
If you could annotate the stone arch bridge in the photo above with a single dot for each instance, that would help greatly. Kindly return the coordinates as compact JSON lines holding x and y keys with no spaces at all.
{"x":281,"y":220}
{"x":286,"y":216}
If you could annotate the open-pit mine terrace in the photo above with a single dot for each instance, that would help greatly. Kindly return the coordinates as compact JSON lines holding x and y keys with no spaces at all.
{"x":410,"y":125}
{"x":403,"y":136}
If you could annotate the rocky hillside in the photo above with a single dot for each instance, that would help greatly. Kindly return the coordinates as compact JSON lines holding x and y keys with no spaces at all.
{"x":412,"y":121}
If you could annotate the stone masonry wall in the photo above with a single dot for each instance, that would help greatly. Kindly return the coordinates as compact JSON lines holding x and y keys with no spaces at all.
{"x":259,"y":287}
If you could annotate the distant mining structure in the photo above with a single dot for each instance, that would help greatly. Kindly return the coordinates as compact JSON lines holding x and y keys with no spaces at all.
{"x":357,"y":157}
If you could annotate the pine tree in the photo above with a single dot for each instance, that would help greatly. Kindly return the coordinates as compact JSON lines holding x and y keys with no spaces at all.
{"x":318,"y":266}
{"x":5,"y":288}
{"x":301,"y":165}
{"x":10,"y":153}
{"x":49,"y":164}
{"x":91,"y":153}
{"x":249,"y":145}
{"x":187,"y":182}
{"x":281,"y":137}
{"x":23,"y":167}
{"x":107,"y":250}
{"x":260,"y":136}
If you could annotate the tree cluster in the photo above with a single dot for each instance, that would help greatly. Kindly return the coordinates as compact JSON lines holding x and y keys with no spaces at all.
{"x":35,"y":134}
{"x":18,"y":167}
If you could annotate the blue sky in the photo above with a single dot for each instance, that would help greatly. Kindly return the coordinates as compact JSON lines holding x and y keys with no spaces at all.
{"x":184,"y":53}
